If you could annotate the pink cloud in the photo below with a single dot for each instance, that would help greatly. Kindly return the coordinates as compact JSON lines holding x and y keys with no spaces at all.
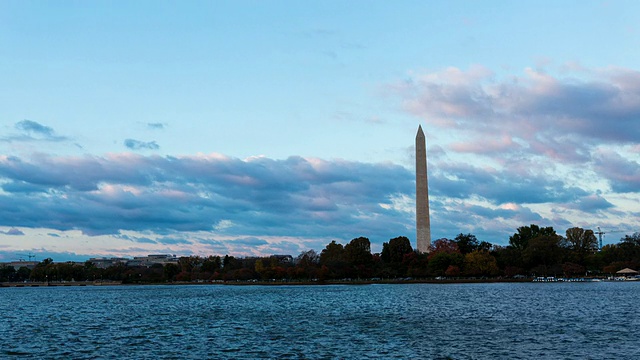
{"x":559,"y":117}
{"x":486,"y":146}
{"x":623,"y":174}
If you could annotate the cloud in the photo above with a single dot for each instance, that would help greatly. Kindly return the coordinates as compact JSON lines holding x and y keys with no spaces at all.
{"x":253,"y":197}
{"x":487,"y":222}
{"x":590,"y":204}
{"x":536,"y":113}
{"x":156,"y":126}
{"x":529,"y":148}
{"x":136,"y":239}
{"x":504,"y":151}
{"x":251,"y":241}
{"x":35,"y":128}
{"x":489,"y":146}
{"x":188,"y":200}
{"x":499,"y":186}
{"x":170,"y":240}
{"x":20,"y":187}
{"x":141,"y":145}
{"x":623,"y":174}
{"x":12,"y":231}
{"x":33,"y":131}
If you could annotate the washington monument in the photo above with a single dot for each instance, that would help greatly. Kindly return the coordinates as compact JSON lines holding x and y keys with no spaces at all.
{"x":423,"y":226}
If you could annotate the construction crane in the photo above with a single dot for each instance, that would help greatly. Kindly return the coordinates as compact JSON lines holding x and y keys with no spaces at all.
{"x":601,"y":233}
{"x":30,"y":256}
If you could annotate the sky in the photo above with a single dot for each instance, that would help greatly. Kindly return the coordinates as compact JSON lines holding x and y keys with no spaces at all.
{"x":254,"y":128}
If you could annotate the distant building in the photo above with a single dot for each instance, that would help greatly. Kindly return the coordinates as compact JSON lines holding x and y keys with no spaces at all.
{"x":150,"y":260}
{"x":18,"y":264}
{"x":146,"y":261}
{"x":103,"y":263}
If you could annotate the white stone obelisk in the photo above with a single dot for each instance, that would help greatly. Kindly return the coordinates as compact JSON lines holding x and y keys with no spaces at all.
{"x":423,"y":225}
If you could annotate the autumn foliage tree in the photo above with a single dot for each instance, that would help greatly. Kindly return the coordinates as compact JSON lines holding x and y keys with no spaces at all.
{"x":480,"y":263}
{"x":444,"y":254}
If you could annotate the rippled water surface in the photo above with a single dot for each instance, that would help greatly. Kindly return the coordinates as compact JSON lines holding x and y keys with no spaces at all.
{"x":457,"y":321}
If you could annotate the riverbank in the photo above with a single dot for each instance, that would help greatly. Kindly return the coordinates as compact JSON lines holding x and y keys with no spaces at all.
{"x":277,"y":282}
{"x":58,"y":284}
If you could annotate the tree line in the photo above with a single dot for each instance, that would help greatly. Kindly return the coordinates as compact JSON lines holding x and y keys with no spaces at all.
{"x":532,"y":251}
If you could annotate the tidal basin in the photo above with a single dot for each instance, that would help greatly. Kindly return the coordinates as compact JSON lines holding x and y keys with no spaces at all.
{"x":429,"y":321}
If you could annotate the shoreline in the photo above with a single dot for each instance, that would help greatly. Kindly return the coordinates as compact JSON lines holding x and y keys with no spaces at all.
{"x":285,"y":283}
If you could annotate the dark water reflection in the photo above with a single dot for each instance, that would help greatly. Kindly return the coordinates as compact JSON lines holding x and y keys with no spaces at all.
{"x":459,"y":321}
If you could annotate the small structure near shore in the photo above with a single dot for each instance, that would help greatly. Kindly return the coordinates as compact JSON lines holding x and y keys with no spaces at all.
{"x":627,"y":272}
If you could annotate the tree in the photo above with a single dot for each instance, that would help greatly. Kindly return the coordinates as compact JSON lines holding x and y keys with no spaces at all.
{"x":332,"y":259}
{"x":571,"y":269}
{"x":332,"y":253}
{"x":452,"y":271}
{"x":466,"y":243}
{"x":544,"y":253}
{"x":443,"y":245}
{"x":486,"y":246}
{"x":308,"y":257}
{"x":119,"y":271}
{"x":632,"y":239}
{"x":43,"y":270}
{"x":23,"y":273}
{"x":439,"y":262}
{"x":211,"y":264}
{"x":416,"y":264}
{"x":509,"y":260}
{"x":7,"y":273}
{"x":307,"y":264}
{"x":395,"y":249}
{"x":170,"y":271}
{"x":230,"y":263}
{"x":358,"y":251}
{"x":189,"y":263}
{"x":262,"y":270}
{"x":91,"y":272}
{"x":480,"y":263}
{"x":626,"y":254}
{"x":358,"y":256}
{"x":581,"y":242}
{"x":520,"y":240}
{"x":629,"y":250}
{"x":442,"y":254}
{"x":393,"y":261}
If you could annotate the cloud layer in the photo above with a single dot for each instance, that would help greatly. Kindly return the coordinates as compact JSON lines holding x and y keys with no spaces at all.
{"x":556,"y":150}
{"x":564,"y":145}
{"x":257,"y":196}
{"x":541,"y":110}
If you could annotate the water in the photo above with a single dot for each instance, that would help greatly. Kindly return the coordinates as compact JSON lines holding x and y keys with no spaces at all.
{"x":429,"y":321}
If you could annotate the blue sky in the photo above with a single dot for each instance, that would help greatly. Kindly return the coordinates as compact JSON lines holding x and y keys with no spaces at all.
{"x":253,"y":128}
